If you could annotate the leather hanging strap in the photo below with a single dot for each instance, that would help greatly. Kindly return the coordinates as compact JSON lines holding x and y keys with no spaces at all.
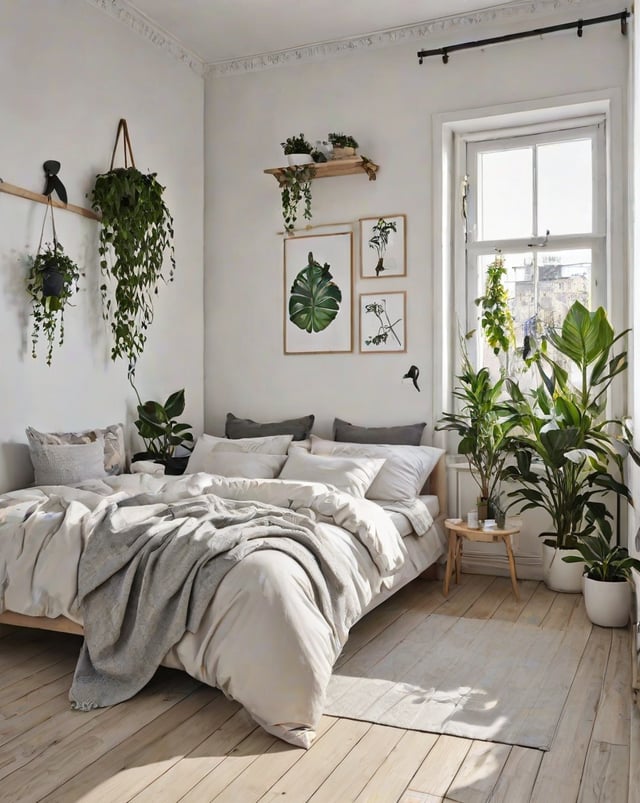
{"x":126,"y":145}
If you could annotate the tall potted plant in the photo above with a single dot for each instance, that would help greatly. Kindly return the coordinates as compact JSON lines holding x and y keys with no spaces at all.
{"x":566,"y":450}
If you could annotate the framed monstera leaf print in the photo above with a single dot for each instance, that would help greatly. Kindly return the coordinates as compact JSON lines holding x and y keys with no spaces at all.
{"x":318,"y":289}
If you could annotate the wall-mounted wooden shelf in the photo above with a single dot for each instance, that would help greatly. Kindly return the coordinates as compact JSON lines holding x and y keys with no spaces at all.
{"x":20,"y":192}
{"x":335,"y":167}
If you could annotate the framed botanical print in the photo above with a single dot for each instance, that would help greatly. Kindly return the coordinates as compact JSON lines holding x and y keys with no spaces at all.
{"x":383,"y":322}
{"x":383,"y":246}
{"x":318,"y":293}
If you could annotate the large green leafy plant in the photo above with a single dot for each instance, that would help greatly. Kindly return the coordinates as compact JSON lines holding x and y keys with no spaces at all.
{"x":315,"y":298}
{"x":567,"y":452}
{"x":162,"y":433}
{"x":136,"y":233}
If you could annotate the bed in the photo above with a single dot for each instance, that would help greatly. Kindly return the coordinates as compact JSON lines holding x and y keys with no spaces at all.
{"x":269,"y":635}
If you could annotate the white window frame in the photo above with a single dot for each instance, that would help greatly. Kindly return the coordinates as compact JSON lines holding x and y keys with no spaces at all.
{"x":448,"y":248}
{"x":593,"y":128}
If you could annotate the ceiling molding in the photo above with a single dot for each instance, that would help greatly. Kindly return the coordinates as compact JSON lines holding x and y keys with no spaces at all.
{"x":409,"y":33}
{"x":145,"y":28}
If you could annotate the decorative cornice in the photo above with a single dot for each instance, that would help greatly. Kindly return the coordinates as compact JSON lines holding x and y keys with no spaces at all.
{"x":409,"y":33}
{"x":144,"y":27}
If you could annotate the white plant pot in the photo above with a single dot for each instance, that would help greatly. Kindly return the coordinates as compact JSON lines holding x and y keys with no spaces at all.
{"x":608,"y":604}
{"x":299,"y":159}
{"x":558,"y":575}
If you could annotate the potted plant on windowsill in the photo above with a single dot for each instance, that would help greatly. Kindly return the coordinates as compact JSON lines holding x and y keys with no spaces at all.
{"x":566,"y":451}
{"x":298,"y":150}
{"x":607,"y":571}
{"x":162,"y":434}
{"x":344,"y":145}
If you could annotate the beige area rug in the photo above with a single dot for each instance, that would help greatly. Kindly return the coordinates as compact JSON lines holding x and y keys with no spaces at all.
{"x":481,"y":679}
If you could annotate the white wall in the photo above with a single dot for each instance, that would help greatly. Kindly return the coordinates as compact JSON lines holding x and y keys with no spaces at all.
{"x":68,"y":73}
{"x":387,"y":101}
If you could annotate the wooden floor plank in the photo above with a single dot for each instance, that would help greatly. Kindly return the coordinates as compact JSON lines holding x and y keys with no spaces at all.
{"x":561,"y":768}
{"x":634,"y":755}
{"x":471,"y":588}
{"x":395,"y":773}
{"x":561,"y":611}
{"x":149,"y":752}
{"x":308,"y":774}
{"x":491,"y":599}
{"x":538,"y":606}
{"x":267,"y":769}
{"x":27,"y":691}
{"x":511,"y":608}
{"x":613,"y":719}
{"x":353,"y":773}
{"x":479,"y":772}
{"x":518,"y":776}
{"x":606,"y":774}
{"x":437,"y":771}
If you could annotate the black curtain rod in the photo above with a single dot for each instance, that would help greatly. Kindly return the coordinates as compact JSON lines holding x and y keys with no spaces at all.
{"x":565,"y":26}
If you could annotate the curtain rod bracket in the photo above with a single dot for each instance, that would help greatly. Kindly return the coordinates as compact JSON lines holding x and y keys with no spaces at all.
{"x":579,"y":27}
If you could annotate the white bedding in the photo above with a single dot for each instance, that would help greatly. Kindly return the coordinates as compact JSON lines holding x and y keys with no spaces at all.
{"x":263,"y":641}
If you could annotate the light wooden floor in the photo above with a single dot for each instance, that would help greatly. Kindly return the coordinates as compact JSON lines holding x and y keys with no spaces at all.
{"x":179,"y":740}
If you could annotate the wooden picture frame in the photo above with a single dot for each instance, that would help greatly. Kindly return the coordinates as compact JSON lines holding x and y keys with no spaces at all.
{"x":383,"y":322}
{"x":322,"y":324}
{"x":383,"y":251}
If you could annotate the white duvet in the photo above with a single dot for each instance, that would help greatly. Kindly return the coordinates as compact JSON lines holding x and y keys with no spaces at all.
{"x":263,"y":641}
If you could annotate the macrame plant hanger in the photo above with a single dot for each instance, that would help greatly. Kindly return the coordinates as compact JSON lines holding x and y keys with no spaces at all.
{"x":52,"y":279}
{"x":126,"y":145}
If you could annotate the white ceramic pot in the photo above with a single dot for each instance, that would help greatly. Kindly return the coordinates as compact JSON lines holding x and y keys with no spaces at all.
{"x":608,"y":604}
{"x":299,"y":159}
{"x":558,"y":575}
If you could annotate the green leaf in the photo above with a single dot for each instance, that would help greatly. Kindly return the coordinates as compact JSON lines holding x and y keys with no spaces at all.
{"x":315,"y":298}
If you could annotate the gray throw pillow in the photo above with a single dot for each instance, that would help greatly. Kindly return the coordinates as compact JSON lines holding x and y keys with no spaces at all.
{"x":246,"y":428}
{"x":404,"y":434}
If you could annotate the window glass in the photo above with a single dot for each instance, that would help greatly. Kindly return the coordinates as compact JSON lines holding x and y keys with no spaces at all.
{"x":505,"y":194}
{"x":565,"y":192}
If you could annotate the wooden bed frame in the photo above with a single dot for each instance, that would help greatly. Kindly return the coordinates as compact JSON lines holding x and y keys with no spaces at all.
{"x":437,"y":485}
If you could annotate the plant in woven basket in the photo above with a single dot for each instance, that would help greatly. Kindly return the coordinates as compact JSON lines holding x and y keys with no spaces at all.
{"x":136,"y":232}
{"x":295,"y":186}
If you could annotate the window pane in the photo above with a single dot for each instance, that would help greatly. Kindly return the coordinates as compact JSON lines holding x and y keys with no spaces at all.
{"x":541,"y":287}
{"x":565,"y":187}
{"x":505,"y":194}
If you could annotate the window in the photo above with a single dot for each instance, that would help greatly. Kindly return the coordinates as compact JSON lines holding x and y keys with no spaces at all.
{"x":539,"y":199}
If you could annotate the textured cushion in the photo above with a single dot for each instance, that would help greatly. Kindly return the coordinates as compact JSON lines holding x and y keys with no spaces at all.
{"x":67,"y":463}
{"x":115,"y":455}
{"x":351,"y":474}
{"x":246,"y":428}
{"x":206,"y":445}
{"x":404,"y":472}
{"x":251,"y":465}
{"x":407,"y":434}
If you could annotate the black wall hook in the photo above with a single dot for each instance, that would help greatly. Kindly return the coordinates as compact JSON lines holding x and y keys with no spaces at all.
{"x":413,"y":373}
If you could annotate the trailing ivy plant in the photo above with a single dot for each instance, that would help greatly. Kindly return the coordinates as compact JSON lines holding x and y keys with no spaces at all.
{"x":295,"y":186}
{"x":51,"y":282}
{"x":496,"y":320}
{"x":137,"y":230}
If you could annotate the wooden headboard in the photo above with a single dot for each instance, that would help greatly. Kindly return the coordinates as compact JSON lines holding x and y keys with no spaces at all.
{"x":437,"y":485}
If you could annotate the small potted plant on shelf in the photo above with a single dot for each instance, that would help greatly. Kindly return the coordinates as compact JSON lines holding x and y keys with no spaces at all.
{"x":344,"y":145}
{"x":607,"y":571}
{"x":162,"y":434}
{"x":51,"y":282}
{"x":298,"y":150}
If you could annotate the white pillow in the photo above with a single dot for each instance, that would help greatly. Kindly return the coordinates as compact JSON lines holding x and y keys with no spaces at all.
{"x":206,"y":445}
{"x":251,"y":465}
{"x":351,"y":474}
{"x":405,"y":470}
{"x":67,"y":463}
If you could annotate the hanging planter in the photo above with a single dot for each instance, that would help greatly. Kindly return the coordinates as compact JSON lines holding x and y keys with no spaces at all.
{"x":136,"y":233}
{"x":51,"y":282}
